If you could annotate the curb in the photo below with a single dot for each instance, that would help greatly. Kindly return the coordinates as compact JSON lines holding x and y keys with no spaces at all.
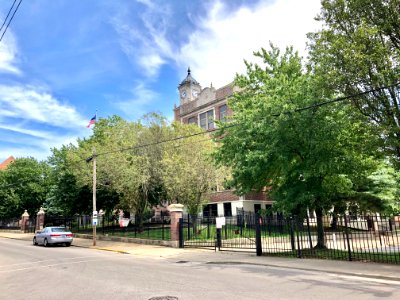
{"x":371,"y":276}
{"x":211,"y":262}
{"x":102,"y":249}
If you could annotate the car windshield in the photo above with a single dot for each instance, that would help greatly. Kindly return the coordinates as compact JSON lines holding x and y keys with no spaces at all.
{"x":58,"y":229}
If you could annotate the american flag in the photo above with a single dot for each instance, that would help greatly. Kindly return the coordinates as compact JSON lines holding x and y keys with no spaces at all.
{"x":91,"y":122}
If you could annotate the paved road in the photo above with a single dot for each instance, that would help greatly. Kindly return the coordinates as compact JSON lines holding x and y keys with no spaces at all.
{"x":33,"y":272}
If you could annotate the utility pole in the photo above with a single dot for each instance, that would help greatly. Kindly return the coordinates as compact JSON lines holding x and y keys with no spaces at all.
{"x":94,"y":216}
{"x":94,"y":197}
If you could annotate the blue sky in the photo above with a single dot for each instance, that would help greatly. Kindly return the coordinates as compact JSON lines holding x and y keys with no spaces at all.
{"x":62,"y":60}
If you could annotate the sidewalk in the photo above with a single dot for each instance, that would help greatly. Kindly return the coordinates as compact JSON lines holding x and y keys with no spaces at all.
{"x":193,"y":256}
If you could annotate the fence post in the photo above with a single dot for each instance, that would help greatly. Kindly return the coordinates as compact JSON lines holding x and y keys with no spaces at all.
{"x":219,"y":241}
{"x":297,"y":220}
{"x":181,"y":244}
{"x":292,"y":241}
{"x":24,"y":220}
{"x":258,"y":234}
{"x":176,"y":211}
{"x":309,"y":234}
{"x":40,"y":219}
{"x":347,"y":237}
{"x":188,"y":227}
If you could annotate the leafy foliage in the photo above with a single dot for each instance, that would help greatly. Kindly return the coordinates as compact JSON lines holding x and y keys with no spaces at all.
{"x":311,"y":158}
{"x":358,"y":50}
{"x":189,"y":174}
{"x":25,"y":185}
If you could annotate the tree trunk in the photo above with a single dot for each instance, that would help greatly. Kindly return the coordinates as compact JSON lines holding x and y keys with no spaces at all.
{"x":334,"y":221}
{"x":320,"y":229}
{"x":139,"y":221}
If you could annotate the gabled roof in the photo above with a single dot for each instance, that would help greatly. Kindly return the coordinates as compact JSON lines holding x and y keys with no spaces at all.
{"x":189,"y":79}
{"x":5,"y":163}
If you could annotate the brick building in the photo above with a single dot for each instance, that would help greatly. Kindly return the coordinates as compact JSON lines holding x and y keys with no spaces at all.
{"x":5,"y":163}
{"x":202,"y":106}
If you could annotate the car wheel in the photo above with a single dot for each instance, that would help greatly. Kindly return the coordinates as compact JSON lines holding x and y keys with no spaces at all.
{"x":34,"y":241}
{"x":67,"y":244}
{"x":45,"y":243}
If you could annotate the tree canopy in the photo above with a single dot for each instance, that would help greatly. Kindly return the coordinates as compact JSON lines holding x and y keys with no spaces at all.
{"x":308,"y":158}
{"x":188,"y":171}
{"x":25,"y":185}
{"x":358,"y":50}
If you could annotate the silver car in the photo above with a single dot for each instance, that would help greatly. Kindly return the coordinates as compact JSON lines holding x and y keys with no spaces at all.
{"x":52,"y":236}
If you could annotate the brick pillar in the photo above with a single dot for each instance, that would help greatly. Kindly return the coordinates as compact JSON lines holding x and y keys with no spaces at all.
{"x":24,"y":220}
{"x":40,"y":219}
{"x":175,"y":211}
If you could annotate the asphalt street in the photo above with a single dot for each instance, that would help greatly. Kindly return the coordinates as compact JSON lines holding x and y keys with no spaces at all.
{"x":33,"y":272}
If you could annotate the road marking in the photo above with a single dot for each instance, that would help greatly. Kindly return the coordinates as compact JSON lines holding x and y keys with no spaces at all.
{"x":370,"y":279}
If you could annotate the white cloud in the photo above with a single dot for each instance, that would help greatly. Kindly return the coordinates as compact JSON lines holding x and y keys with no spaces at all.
{"x":24,"y":108}
{"x":138,"y":105}
{"x":33,"y":104}
{"x":8,"y":54}
{"x":36,"y":143}
{"x":149,"y":47}
{"x":215,"y":51}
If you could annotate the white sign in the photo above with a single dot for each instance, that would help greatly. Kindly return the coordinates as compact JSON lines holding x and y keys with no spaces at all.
{"x":94,"y":221}
{"x":220,"y":221}
{"x":123,"y":222}
{"x":95,"y":213}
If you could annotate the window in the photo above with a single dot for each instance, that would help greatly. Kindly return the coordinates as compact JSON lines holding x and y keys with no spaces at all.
{"x":192,"y":120}
{"x":223,"y":112}
{"x":210,"y":210}
{"x":228,"y":209}
{"x":207,"y":120}
{"x":210,"y":119}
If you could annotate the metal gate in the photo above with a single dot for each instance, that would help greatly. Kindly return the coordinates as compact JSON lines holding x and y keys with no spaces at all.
{"x":238,"y":233}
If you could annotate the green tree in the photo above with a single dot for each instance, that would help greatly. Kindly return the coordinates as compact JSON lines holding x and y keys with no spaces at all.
{"x":384,"y":184}
{"x":8,"y":199}
{"x":189,"y":174}
{"x":128,"y":155}
{"x":66,"y":197}
{"x":25,"y":186}
{"x":307,"y":157}
{"x":358,"y":49}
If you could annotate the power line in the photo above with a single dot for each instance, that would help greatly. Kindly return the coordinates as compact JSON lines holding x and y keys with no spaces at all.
{"x":5,"y":20}
{"x":5,"y":30}
{"x":316,"y":105}
{"x":347,"y":97}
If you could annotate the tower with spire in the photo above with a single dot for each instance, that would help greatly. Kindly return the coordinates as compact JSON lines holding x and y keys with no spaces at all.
{"x":189,"y":88}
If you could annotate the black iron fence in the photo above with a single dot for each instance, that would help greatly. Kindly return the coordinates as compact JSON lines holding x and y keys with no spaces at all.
{"x":363,"y":238}
{"x":11,"y":224}
{"x":151,"y":228}
{"x":15,"y":224}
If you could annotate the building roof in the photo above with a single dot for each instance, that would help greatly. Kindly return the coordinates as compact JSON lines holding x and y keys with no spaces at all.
{"x":189,"y":79}
{"x":5,"y":163}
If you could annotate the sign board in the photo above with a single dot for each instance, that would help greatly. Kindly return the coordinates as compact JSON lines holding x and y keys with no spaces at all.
{"x":94,"y":221}
{"x":95,"y":214}
{"x":124,"y":222}
{"x":220,"y":221}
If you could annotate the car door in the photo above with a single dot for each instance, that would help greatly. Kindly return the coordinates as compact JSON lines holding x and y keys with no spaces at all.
{"x":40,"y":236}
